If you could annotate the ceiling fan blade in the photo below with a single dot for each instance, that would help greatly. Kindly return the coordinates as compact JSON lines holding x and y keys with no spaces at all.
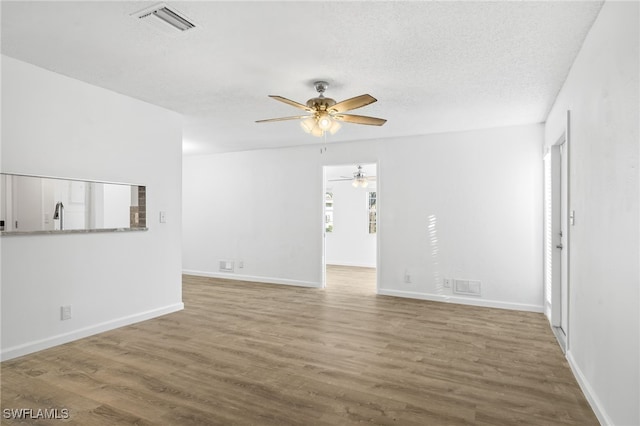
{"x":336,"y":180}
{"x":283,"y":118}
{"x":290,"y":102}
{"x":360,"y":119}
{"x":353,"y":103}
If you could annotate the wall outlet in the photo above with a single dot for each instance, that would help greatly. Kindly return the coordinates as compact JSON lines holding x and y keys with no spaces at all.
{"x":226,"y":266}
{"x":241,"y":264}
{"x":446,"y":282}
{"x":407,"y":277}
{"x":65,"y":312}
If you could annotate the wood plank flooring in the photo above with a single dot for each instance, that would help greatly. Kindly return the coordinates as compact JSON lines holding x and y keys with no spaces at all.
{"x":259,"y":354}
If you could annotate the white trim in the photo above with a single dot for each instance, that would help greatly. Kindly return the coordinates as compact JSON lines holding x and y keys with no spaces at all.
{"x":72,"y":179}
{"x":376,"y":188}
{"x":253,"y":279}
{"x":568,"y":225}
{"x":378,"y":221}
{"x":588,"y":392}
{"x":354,"y":264}
{"x":462,"y":300}
{"x":561,"y":338}
{"x":49,"y":342}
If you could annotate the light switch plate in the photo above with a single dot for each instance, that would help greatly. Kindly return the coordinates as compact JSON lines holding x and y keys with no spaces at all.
{"x":65,"y":312}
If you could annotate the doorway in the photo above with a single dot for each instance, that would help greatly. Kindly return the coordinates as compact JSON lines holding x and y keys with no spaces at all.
{"x":556,"y":245}
{"x":350,"y":227}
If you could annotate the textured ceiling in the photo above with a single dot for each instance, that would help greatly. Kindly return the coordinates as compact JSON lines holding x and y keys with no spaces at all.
{"x":433,"y":66}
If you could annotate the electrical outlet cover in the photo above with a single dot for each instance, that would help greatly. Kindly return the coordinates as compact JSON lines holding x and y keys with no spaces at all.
{"x":65,"y":312}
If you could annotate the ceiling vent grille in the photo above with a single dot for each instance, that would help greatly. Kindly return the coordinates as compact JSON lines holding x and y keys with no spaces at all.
{"x":164,"y":15}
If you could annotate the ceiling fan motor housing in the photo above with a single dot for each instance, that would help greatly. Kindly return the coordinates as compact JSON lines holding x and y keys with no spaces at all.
{"x":320,"y":103}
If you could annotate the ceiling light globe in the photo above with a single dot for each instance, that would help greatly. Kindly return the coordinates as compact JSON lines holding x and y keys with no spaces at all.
{"x":308,"y":124}
{"x":324,"y":122}
{"x":335,"y":126}
{"x":317,"y":131}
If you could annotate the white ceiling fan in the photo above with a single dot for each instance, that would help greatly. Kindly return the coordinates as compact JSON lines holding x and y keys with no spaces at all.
{"x":359,"y":178}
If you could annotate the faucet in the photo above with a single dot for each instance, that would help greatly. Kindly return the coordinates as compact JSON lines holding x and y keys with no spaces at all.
{"x":59,"y":214}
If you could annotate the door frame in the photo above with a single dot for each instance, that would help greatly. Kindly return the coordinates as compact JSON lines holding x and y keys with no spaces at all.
{"x":561,"y":220}
{"x":323,"y":260}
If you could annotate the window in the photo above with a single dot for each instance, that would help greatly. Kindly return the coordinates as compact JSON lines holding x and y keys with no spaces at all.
{"x":328,"y":212}
{"x":373,"y":225}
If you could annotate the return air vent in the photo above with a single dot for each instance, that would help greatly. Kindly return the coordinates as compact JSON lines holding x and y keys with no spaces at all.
{"x":164,"y":17}
{"x":467,"y":287}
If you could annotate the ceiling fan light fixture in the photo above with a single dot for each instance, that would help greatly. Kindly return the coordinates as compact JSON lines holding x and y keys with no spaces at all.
{"x":308,"y":124}
{"x":360,"y":179}
{"x":317,"y":131}
{"x":335,"y":126}
{"x":324,"y":122}
{"x":360,"y":182}
{"x":317,"y":126}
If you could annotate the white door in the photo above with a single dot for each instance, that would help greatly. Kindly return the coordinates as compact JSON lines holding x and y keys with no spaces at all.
{"x":556,"y":274}
{"x":563,"y":234}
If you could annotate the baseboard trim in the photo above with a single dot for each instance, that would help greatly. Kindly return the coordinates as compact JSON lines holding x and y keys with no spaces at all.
{"x":561,"y":338}
{"x":588,"y":392}
{"x":462,"y":300}
{"x":357,"y":265}
{"x":252,"y":278}
{"x":49,"y":342}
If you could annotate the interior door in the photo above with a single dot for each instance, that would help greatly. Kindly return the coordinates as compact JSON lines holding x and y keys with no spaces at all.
{"x":563,"y":234}
{"x":556,"y":268}
{"x":552,"y":238}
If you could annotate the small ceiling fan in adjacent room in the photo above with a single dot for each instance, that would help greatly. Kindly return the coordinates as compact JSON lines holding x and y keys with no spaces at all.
{"x":325,"y":114}
{"x":359,"y":178}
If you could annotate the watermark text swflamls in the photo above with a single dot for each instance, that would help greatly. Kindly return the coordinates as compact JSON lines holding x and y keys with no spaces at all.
{"x":35,"y":413}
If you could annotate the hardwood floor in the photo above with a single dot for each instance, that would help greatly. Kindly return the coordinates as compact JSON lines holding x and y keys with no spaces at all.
{"x":247,"y":353}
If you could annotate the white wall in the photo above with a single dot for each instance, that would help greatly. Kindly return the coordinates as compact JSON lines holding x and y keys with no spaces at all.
{"x":350,"y":243}
{"x":601,"y":92}
{"x":56,"y":126}
{"x":480,"y":191}
{"x":260,"y":207}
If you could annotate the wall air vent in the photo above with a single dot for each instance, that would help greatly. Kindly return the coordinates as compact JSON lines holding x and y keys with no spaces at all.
{"x":467,"y":287}
{"x":164,"y":17}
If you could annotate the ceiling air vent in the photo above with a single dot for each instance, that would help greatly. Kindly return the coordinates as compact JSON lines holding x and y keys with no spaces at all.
{"x":162,"y":15}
